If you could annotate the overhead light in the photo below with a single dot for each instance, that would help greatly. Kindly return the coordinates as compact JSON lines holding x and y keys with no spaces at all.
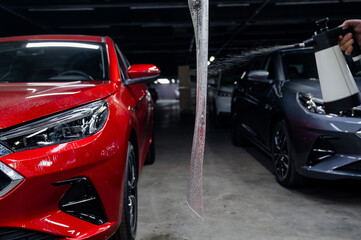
{"x":61,"y":44}
{"x":233,"y":5}
{"x":208,"y":63}
{"x":168,"y":24}
{"x":61,"y":9}
{"x":163,"y":81}
{"x":159,"y":6}
{"x":212,"y":58}
{"x":173,"y":80}
{"x":305,"y":2}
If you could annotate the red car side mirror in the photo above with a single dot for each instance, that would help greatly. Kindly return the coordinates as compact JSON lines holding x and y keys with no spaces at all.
{"x":142,"y":73}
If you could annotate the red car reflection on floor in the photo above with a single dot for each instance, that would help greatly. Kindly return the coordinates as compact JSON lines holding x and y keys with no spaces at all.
{"x":76,"y":126}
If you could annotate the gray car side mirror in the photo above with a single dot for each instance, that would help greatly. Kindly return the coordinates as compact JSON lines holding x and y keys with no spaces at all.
{"x":259,"y":76}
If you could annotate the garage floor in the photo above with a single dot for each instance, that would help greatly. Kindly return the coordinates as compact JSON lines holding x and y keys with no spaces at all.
{"x":241,"y":198}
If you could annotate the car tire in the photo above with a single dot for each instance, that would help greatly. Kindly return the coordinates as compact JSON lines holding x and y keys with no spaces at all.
{"x":128,"y":227}
{"x":150,"y":159}
{"x":238,"y":137}
{"x":284,"y":166}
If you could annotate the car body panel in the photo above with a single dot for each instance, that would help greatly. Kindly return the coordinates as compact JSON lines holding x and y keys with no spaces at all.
{"x":96,"y":157}
{"x":22,"y":102}
{"x":257,"y":107}
{"x":223,"y":103}
{"x":33,"y":204}
{"x":220,"y":90}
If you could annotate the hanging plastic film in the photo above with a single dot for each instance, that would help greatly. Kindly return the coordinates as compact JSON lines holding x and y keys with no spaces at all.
{"x":199,"y":13}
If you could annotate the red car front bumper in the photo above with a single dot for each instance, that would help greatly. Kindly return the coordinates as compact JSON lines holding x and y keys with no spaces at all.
{"x":34,"y":203}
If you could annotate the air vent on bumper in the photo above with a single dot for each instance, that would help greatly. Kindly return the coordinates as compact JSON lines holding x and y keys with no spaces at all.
{"x":24,"y":234}
{"x":4,"y":180}
{"x":354,"y":168}
{"x":9,"y":179}
{"x":82,"y":201}
{"x":321,"y":150}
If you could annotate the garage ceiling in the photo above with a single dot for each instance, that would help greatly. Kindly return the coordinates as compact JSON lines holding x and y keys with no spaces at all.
{"x":161,"y":32}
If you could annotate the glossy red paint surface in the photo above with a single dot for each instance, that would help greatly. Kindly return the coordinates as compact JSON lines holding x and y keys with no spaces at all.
{"x":143,"y":70}
{"x":33,"y":204}
{"x":22,"y":102}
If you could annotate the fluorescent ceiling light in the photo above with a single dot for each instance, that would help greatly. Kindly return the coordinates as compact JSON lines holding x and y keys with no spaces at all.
{"x":62,"y":9}
{"x":305,"y":2}
{"x":159,"y":6}
{"x":163,"y":81}
{"x":61,"y":44}
{"x":233,"y":5}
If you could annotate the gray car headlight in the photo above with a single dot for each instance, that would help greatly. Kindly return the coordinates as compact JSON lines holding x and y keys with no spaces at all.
{"x":312,"y":104}
{"x":70,"y":125}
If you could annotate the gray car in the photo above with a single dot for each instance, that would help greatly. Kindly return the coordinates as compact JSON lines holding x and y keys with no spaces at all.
{"x":277,"y":104}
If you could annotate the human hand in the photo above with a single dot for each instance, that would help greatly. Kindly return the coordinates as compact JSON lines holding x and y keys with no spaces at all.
{"x":345,"y":42}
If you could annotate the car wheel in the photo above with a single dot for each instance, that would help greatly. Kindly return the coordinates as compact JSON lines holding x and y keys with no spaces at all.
{"x":128,"y":227}
{"x":284,"y":166}
{"x":150,"y":159}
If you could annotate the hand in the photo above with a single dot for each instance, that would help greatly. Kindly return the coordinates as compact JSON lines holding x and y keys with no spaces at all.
{"x":345,"y":42}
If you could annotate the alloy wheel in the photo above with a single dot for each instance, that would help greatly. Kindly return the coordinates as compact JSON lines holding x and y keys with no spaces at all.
{"x":132,"y":204}
{"x":280,"y":153}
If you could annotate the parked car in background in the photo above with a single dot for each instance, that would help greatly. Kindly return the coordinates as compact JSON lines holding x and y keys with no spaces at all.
{"x":76,"y":127}
{"x":220,"y":94}
{"x":278,"y":106}
{"x":176,"y":93}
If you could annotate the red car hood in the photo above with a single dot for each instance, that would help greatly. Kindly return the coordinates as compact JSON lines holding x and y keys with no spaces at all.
{"x":22,"y":102}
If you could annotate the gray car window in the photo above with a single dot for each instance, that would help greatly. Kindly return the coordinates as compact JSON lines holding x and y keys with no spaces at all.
{"x":299,"y":65}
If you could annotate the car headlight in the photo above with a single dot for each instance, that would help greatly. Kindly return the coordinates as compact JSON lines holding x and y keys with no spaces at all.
{"x":312,"y":104}
{"x":70,"y":125}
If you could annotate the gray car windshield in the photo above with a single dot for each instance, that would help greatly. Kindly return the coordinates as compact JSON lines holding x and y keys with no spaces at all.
{"x":52,"y":61}
{"x":301,"y":64}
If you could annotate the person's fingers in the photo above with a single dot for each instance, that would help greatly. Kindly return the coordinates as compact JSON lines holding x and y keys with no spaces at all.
{"x":345,"y":38}
{"x":345,"y":41}
{"x":347,"y":44}
{"x":345,"y":24}
{"x":350,"y":23}
{"x":348,"y":51}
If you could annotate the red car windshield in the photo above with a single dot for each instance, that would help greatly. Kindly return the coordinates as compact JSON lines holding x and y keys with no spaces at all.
{"x":52,"y":61}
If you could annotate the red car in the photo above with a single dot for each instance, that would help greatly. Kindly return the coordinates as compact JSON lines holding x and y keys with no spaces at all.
{"x":76,"y":126}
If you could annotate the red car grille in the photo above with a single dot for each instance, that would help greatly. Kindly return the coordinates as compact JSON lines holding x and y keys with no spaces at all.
{"x":23,"y":234}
